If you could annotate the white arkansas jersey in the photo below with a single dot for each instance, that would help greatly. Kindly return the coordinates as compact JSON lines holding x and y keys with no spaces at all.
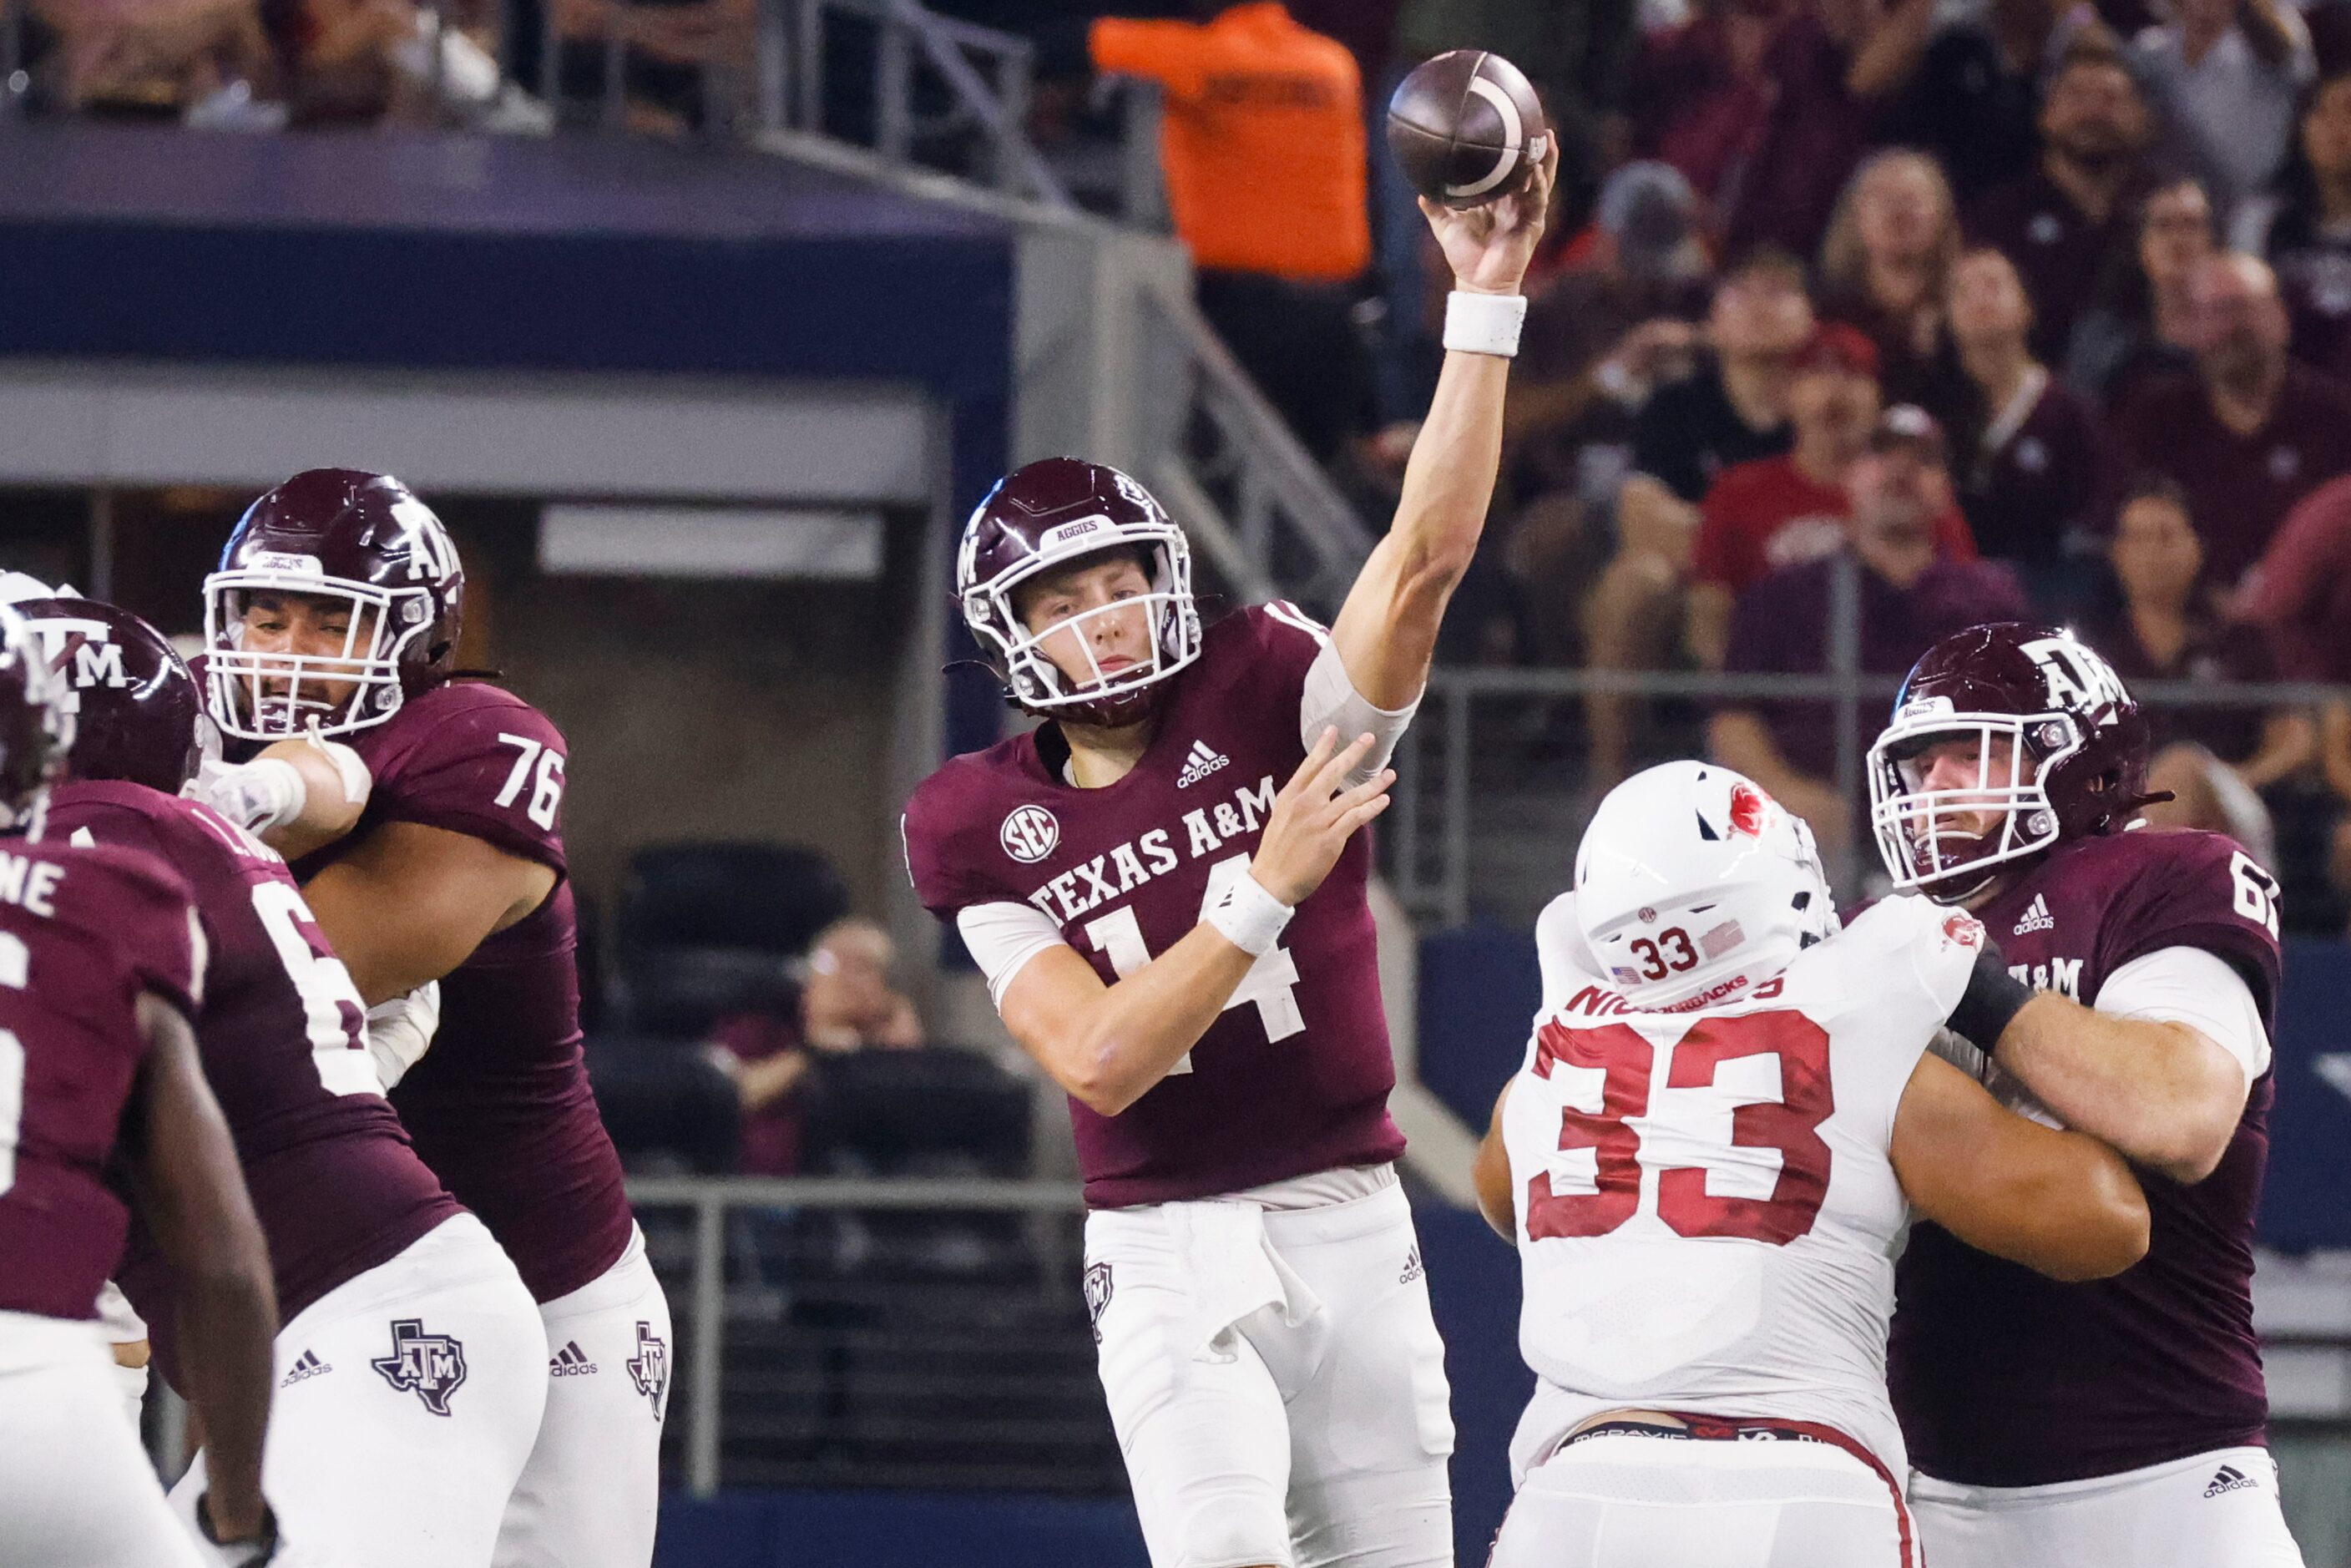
{"x":1708,"y":1216}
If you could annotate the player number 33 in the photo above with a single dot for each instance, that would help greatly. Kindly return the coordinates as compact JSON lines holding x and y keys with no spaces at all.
{"x":1773,"y":1068}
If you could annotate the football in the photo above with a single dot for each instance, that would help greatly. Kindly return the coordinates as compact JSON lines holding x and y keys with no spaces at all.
{"x":1467,"y":128}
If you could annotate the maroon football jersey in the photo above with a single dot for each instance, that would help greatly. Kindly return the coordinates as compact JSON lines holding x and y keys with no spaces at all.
{"x":500,"y":1107}
{"x":83,"y":932}
{"x":2003,"y":1377}
{"x":1293,"y":1076}
{"x":335,"y":1185}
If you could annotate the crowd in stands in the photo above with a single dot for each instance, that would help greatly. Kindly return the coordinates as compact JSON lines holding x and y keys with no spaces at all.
{"x":2027,"y":309}
{"x":2023,"y":306}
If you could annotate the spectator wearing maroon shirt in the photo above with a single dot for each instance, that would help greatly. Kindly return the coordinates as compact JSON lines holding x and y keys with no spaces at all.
{"x":1781,"y":511}
{"x":2251,"y":433}
{"x":1885,"y":264}
{"x":1732,"y":408}
{"x":2030,"y":449}
{"x":2214,"y":760}
{"x":2061,"y":223}
{"x":2142,"y":325}
{"x":2309,"y":232}
{"x":847,"y":1005}
{"x":1910,"y":593}
{"x":2300,"y":594}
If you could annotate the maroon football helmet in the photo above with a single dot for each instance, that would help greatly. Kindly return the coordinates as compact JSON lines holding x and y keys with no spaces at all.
{"x":1048,"y":515}
{"x":36,"y":725}
{"x":137,"y":715}
{"x":2076,"y":756}
{"x":334,"y":534}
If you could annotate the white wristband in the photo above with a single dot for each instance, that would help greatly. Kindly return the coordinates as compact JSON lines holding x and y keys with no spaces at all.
{"x":1484,"y":323}
{"x":1250,"y":917}
{"x":353,"y":772}
{"x":256,"y":796}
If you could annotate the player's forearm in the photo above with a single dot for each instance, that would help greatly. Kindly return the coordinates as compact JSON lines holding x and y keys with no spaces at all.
{"x":2081,"y":1214}
{"x":2160,"y":1092}
{"x":1126,"y":1038}
{"x":1448,"y":482}
{"x":227,"y":1316}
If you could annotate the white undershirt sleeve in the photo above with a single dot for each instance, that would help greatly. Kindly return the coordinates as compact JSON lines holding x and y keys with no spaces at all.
{"x":1330,"y":699}
{"x":2190,"y":985}
{"x":1004,"y":937}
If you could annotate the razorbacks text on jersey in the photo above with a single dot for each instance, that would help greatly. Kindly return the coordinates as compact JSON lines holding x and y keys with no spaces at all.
{"x":335,"y":1184}
{"x":500,"y":1107}
{"x":84,"y":932}
{"x":1294,"y":1076}
{"x":1707,"y":1211}
{"x":2006,"y":1379}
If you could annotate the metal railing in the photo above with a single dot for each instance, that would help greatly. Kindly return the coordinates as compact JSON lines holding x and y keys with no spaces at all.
{"x":1435,"y":820}
{"x":702,"y":1313}
{"x":1255,"y":503}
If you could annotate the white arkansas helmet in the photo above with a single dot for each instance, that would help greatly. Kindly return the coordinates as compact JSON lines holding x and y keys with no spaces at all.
{"x":1692,"y":884}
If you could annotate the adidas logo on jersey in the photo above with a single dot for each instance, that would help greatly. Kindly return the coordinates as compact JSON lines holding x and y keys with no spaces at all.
{"x":1412,"y":1267}
{"x":307,"y":1364}
{"x":1199,"y":765}
{"x":2229,"y":1478}
{"x":2036,"y":918}
{"x":571,"y":1362}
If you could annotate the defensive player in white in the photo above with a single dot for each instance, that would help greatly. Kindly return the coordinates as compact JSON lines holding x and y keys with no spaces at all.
{"x":1728,"y":1115}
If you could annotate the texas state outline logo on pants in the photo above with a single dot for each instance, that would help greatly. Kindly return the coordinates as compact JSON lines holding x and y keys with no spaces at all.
{"x":433,"y":1364}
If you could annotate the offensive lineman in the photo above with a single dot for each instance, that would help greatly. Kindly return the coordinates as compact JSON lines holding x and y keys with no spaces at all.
{"x":410,"y":1346}
{"x":336,"y":613}
{"x":2118,"y":1424}
{"x":1708,"y":1163}
{"x":1144,"y":904}
{"x":101,"y":964}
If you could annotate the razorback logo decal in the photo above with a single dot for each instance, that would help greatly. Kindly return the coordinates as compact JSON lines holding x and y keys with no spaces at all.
{"x":1749,"y":808}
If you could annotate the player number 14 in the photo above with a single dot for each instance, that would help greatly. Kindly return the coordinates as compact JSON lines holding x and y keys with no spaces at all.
{"x":1271,"y":982}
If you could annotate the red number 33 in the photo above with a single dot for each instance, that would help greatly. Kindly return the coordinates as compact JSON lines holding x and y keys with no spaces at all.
{"x":1628,"y":1061}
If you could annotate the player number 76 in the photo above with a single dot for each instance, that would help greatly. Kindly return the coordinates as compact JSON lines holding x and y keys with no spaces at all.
{"x":547,"y":793}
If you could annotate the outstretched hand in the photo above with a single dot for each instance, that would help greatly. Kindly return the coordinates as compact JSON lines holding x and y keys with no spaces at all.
{"x":1488,"y":246}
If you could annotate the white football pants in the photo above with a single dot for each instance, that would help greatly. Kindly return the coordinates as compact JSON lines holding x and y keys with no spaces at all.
{"x":406,"y":1401}
{"x":592,"y":1492}
{"x":1623,"y":1501}
{"x":76,"y":1489}
{"x":1276,"y":1382}
{"x":2216,"y":1509}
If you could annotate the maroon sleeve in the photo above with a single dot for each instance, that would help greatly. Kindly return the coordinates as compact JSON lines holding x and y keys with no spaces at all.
{"x":490,"y":766}
{"x":2197,"y":890}
{"x":1286,"y":641}
{"x":141,"y":912}
{"x":943,"y":843}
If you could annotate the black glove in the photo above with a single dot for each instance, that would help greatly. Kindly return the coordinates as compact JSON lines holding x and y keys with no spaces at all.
{"x":1992,"y":997}
{"x":248,"y":1553}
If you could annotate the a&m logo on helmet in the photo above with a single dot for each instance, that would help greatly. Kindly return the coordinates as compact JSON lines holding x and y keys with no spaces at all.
{"x":1029,"y":834}
{"x":2077,"y":679}
{"x":433,"y":1364}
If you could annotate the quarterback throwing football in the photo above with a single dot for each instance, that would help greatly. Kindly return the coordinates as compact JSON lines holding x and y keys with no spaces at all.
{"x":1165,"y":891}
{"x":2118,"y":1422}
